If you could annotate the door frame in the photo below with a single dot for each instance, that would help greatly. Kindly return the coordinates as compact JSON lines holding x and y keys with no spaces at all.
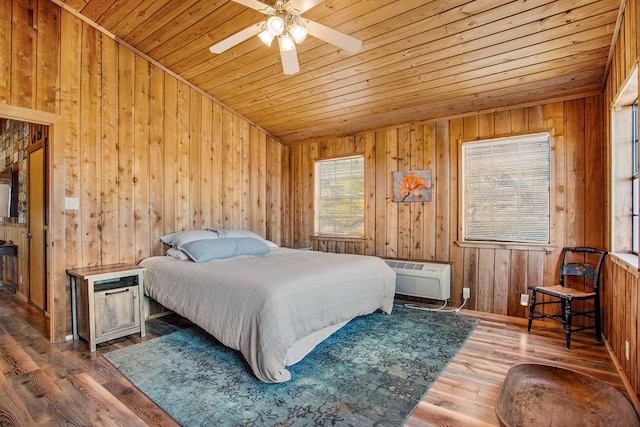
{"x":56,"y":281}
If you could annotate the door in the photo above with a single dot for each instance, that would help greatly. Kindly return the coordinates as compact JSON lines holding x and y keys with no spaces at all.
{"x":37,"y":225}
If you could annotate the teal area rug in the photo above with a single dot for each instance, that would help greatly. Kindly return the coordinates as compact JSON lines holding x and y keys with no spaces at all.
{"x":373,"y":371}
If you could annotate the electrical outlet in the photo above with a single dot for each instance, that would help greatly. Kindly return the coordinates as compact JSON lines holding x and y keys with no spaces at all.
{"x":524,"y":299}
{"x":466,"y":293}
{"x":626,"y":350}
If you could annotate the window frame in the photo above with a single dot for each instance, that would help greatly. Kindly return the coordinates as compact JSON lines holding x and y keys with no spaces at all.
{"x":317,"y":198}
{"x":621,"y":171}
{"x":635,"y":182}
{"x":551,"y":245}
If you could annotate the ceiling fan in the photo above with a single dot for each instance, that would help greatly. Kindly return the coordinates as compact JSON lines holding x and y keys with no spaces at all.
{"x":284,"y":21}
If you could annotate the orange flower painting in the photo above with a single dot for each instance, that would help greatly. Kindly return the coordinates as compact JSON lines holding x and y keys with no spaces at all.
{"x":412,"y":186}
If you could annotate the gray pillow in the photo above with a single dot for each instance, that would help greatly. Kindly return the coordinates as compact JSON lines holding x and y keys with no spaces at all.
{"x":177,"y":254}
{"x":210,"y":249}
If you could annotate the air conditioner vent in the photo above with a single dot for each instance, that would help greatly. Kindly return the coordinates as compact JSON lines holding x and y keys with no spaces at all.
{"x":422,"y":279}
{"x":405,"y":265}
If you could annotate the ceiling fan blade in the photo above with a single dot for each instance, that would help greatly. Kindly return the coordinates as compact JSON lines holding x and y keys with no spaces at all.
{"x":290,"y":61}
{"x":253,"y":4}
{"x":237,"y":38}
{"x":342,"y":40}
{"x":304,"y":5}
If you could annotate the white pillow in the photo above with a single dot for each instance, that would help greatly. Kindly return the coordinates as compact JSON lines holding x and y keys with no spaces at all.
{"x":179,"y":237}
{"x":234,"y":233}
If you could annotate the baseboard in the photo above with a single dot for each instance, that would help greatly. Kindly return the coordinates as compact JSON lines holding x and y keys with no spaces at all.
{"x":631,"y":394}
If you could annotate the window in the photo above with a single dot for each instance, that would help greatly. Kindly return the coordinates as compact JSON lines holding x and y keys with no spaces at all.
{"x":340,"y":197}
{"x":635,"y":187}
{"x":624,"y":172}
{"x":505,"y":189}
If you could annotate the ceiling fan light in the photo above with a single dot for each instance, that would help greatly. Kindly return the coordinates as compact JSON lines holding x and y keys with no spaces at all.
{"x":298,"y":32}
{"x":275,"y":25}
{"x":286,"y":43}
{"x":266,"y":37}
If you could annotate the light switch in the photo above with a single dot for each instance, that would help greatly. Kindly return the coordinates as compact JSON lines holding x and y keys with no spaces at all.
{"x":72,"y":203}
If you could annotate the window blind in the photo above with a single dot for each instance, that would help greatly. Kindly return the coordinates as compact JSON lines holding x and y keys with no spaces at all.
{"x":340,"y":196}
{"x":506,"y":189}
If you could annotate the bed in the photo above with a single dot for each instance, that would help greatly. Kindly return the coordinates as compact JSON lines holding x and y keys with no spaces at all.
{"x":272,"y":304}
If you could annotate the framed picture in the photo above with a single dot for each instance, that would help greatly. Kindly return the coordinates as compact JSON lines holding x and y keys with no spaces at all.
{"x":412,"y":186}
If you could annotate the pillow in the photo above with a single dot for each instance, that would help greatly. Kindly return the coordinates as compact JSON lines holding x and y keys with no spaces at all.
{"x":233,"y":233}
{"x":177,"y":238}
{"x":178,"y":254}
{"x":210,"y":249}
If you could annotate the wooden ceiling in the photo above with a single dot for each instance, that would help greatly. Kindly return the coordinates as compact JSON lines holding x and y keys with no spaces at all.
{"x":420,"y":59}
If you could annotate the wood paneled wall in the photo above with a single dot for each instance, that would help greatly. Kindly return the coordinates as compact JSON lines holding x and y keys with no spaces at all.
{"x":144,"y":152}
{"x":429,"y":231}
{"x":621,"y":294}
{"x":620,"y":311}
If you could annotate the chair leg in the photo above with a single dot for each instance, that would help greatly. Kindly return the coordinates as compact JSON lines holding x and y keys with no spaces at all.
{"x":532,"y":307}
{"x":567,"y":320}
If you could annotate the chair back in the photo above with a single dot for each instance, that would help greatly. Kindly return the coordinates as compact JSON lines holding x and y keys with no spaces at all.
{"x":588,"y":270}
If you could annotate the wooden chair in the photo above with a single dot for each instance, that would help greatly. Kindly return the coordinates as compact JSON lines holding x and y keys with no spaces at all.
{"x":589,"y":268}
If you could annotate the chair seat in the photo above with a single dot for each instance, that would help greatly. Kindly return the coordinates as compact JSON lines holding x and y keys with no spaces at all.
{"x":563,"y":292}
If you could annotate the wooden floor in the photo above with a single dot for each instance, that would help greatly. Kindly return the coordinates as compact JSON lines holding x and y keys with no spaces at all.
{"x":65,"y":384}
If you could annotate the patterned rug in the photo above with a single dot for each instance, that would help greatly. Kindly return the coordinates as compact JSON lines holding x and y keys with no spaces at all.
{"x":373,"y":371}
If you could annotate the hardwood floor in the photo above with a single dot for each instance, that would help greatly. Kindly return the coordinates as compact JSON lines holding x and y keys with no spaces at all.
{"x":465,"y":394}
{"x":65,"y":384}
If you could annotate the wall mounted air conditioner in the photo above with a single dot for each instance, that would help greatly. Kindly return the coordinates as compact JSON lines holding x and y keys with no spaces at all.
{"x":422,"y":279}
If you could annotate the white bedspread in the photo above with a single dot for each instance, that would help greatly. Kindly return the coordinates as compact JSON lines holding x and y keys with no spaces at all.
{"x":261,"y":305}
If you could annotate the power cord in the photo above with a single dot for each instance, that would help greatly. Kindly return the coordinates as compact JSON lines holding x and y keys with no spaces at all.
{"x":439,"y":309}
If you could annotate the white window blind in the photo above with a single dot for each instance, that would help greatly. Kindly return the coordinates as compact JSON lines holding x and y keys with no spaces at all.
{"x":506,"y":189}
{"x":340,"y":196}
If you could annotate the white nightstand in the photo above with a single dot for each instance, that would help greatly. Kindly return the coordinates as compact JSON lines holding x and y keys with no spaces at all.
{"x":107,"y":302}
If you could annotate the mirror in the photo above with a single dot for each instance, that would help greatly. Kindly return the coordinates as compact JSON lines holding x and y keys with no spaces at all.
{"x":14,"y":143}
{"x":9,"y":192}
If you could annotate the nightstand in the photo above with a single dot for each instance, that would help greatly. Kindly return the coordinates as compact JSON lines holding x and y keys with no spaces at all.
{"x":10,"y":251}
{"x":106,"y":302}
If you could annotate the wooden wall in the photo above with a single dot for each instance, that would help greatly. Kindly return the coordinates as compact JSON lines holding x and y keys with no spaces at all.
{"x":621,"y":306}
{"x":145,"y":153}
{"x":429,"y":231}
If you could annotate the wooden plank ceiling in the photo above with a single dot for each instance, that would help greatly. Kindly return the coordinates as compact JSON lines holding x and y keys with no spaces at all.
{"x":420,"y":59}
